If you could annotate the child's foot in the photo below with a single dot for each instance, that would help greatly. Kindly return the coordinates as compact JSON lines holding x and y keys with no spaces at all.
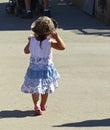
{"x":43,"y":107}
{"x":38,"y":110}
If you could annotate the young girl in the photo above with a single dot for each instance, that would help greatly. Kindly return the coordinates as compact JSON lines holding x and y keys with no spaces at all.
{"x":41,"y":76}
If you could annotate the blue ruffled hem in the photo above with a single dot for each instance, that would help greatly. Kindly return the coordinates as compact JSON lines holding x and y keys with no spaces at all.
{"x":37,"y":86}
{"x":40,"y":79}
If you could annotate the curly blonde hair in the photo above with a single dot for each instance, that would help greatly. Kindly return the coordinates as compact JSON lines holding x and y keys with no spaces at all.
{"x":44,"y":25}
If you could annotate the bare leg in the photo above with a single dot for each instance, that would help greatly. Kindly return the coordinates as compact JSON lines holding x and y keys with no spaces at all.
{"x":45,"y":2}
{"x":44,"y":98}
{"x":27,"y":4}
{"x":35,"y":98}
{"x":28,"y":13}
{"x":46,"y":8}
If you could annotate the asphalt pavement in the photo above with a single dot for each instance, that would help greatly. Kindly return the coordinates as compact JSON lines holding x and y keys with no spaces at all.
{"x":82,"y":100}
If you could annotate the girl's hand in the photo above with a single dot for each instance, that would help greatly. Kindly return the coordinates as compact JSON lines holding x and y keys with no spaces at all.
{"x":54,"y":35}
{"x":59,"y":43}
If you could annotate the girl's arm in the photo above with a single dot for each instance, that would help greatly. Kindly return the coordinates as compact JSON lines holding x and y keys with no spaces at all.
{"x":58,"y":43}
{"x":26,"y":49}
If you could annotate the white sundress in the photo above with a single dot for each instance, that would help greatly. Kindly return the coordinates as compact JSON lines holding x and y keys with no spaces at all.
{"x":41,"y":76}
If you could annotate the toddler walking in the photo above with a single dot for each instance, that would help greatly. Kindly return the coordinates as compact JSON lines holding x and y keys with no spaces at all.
{"x":41,"y":76}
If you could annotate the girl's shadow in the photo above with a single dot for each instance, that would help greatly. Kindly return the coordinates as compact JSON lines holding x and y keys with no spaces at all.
{"x":16,"y":114}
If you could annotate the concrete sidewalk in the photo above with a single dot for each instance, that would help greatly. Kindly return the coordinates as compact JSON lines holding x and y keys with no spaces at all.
{"x":82,"y":100}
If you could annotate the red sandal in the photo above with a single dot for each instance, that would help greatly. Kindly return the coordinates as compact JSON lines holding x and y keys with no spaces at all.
{"x":38,"y":110}
{"x":43,"y":107}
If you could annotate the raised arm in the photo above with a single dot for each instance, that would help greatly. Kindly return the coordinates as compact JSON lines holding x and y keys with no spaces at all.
{"x":58,"y":43}
{"x":26,"y":49}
